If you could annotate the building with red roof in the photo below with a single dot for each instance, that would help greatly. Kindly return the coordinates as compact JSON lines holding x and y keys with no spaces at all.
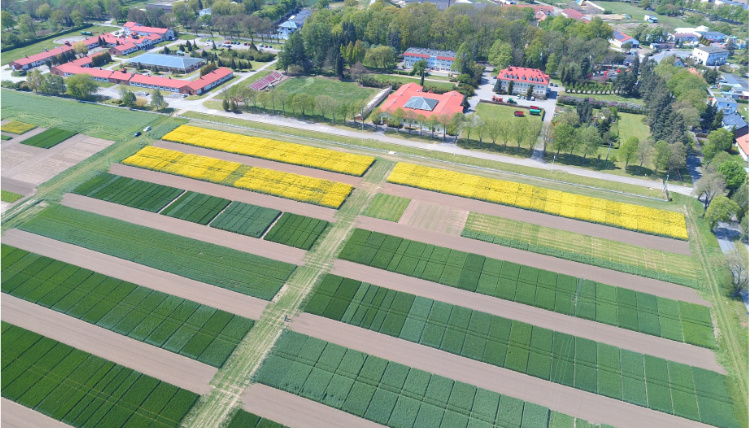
{"x":539,"y":12}
{"x":620,"y":39}
{"x":743,"y":145}
{"x":133,"y":28}
{"x":522,"y":78}
{"x":411,"y":98}
{"x":39,"y":59}
{"x":436,"y":60}
{"x":209,"y":81}
{"x":573,"y":14}
{"x":70,"y":69}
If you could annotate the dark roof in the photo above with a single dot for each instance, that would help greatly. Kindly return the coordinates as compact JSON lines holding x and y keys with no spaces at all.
{"x":711,"y":49}
{"x":421,"y":103}
{"x":734,"y":120}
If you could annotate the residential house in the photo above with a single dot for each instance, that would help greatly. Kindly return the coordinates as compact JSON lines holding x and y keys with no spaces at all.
{"x":574,"y":14}
{"x":522,"y":78}
{"x":436,"y":60}
{"x":684,"y":38}
{"x":620,"y":39}
{"x":710,"y":55}
{"x":726,"y":105}
{"x":731,"y":3}
{"x":743,"y":145}
{"x":293,"y":24}
{"x":713,"y":36}
{"x":735,"y":123}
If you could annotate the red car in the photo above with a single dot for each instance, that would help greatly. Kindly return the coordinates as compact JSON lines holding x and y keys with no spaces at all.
{"x":519,"y":113}
{"x":535,"y":108}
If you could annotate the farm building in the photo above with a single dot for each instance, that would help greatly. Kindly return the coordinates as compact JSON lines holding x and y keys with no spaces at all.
{"x":436,"y":60}
{"x":293,"y":24}
{"x":522,"y":79}
{"x":620,"y":39}
{"x":710,"y":55}
{"x":174,"y":64}
{"x":39,"y":59}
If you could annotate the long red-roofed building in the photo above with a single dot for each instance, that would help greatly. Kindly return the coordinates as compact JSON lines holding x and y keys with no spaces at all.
{"x":137,"y":29}
{"x":39,"y":59}
{"x":411,"y":97}
{"x":522,"y":78}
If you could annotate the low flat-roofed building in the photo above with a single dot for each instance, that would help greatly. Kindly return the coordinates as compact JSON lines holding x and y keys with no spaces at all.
{"x":39,"y":59}
{"x":172,"y":63}
{"x":436,"y":60}
{"x":710,"y":55}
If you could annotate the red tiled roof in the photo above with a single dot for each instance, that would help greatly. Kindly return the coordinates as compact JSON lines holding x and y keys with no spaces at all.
{"x":71,"y":68}
{"x":129,"y":24}
{"x":125,"y":47}
{"x":448,"y":103}
{"x":139,"y":29}
{"x":82,"y":62}
{"x":416,"y":55}
{"x":572,"y":13}
{"x":743,"y":143}
{"x":523,"y":74}
{"x":41,"y":56}
{"x":209,"y":78}
{"x":446,"y":58}
{"x":159,"y":81}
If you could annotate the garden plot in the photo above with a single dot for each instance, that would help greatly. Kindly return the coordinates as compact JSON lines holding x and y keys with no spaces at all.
{"x":557,"y":357}
{"x":129,"y":192}
{"x":439,"y":218}
{"x":181,"y":326}
{"x":297,"y":231}
{"x":386,"y":207}
{"x":49,"y":138}
{"x":81,"y":389}
{"x":621,"y":307}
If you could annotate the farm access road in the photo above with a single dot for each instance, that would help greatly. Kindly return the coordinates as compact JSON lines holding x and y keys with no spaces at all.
{"x":15,"y":415}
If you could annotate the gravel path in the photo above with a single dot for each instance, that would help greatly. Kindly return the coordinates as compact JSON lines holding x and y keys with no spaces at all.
{"x":159,"y":363}
{"x":219,"y":298}
{"x":568,"y":267}
{"x":297,"y":412}
{"x":591,"y":407}
{"x":599,"y":332}
{"x":227,"y":192}
{"x":15,"y":415}
{"x":548,"y":220}
{"x":185,"y":228}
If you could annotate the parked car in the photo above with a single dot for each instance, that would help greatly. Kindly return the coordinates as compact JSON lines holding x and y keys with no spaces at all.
{"x":519,"y":113}
{"x":535,"y":108}
{"x":533,"y":98}
{"x":146,"y":129}
{"x":137,"y":134}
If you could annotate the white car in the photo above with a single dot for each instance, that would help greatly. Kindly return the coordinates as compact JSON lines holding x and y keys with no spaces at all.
{"x":146,"y":129}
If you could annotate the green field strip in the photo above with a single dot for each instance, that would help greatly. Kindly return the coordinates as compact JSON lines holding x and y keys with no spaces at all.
{"x":209,"y":263}
{"x":129,"y":192}
{"x":5,"y":137}
{"x":620,"y":307}
{"x":389,"y":393}
{"x":10,"y":197}
{"x":181,"y":326}
{"x":196,"y":207}
{"x":387,"y":207}
{"x":661,"y":265}
{"x":297,"y":231}
{"x":49,"y":138}
{"x":81,"y":389}
{"x":560,"y":358}
{"x":245,"y":219}
{"x":242,"y":419}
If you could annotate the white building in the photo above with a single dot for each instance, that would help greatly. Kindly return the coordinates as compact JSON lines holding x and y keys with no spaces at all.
{"x":710,"y":55}
{"x":726,"y":105}
{"x":293,"y":24}
{"x":522,"y":78}
{"x":436,"y":60}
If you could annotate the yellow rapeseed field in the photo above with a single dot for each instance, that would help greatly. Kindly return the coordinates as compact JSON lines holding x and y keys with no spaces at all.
{"x":286,"y":185}
{"x":265,"y":148}
{"x":626,"y":216}
{"x":16,"y":127}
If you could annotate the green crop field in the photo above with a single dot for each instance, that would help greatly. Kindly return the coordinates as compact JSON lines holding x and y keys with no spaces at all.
{"x":81,"y":389}
{"x":196,"y":207}
{"x":187,"y":328}
{"x":517,"y":346}
{"x":386,"y":392}
{"x":671,"y":267}
{"x":129,"y":192}
{"x":334,"y":88}
{"x":49,"y":138}
{"x":242,"y":419}
{"x":246,"y":219}
{"x":297,"y":231}
{"x":621,"y":307}
{"x":213,"y":264}
{"x":387,"y":207}
{"x":10,"y":197}
{"x":5,"y":137}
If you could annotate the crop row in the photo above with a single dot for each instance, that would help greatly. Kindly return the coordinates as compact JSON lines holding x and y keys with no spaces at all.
{"x":284,"y":184}
{"x":81,"y":389}
{"x":570,"y":205}
{"x":129,"y":192}
{"x":191,"y":258}
{"x":48,"y":138}
{"x":181,"y":326}
{"x":386,"y":392}
{"x":297,"y":230}
{"x":265,"y":148}
{"x":580,"y":363}
{"x":621,"y":307}
{"x":242,"y":419}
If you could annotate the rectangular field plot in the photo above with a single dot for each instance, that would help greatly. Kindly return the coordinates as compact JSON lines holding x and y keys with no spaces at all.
{"x":187,"y":328}
{"x":297,"y":230}
{"x":539,"y":352}
{"x":196,"y":207}
{"x":81,"y":389}
{"x":49,"y":138}
{"x":129,"y":192}
{"x":385,"y":392}
{"x":213,"y":264}
{"x":17,"y":127}
{"x":242,"y":419}
{"x":565,"y":294}
{"x":387,"y":207}
{"x":245,"y":219}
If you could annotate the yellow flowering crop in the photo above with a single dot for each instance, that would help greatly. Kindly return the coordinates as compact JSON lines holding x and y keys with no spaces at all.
{"x":596,"y":210}
{"x":178,"y":163}
{"x":265,"y":148}
{"x":16,"y":127}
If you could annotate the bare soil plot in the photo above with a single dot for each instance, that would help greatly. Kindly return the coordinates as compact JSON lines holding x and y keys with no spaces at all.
{"x":435,"y":217}
{"x":262,"y":163}
{"x":235,"y":194}
{"x":594,"y":273}
{"x":15,"y":415}
{"x":591,"y":407}
{"x":219,"y":298}
{"x":161,"y":364}
{"x":16,"y":186}
{"x":593,"y":229}
{"x":622,"y":338}
{"x":185,"y":228}
{"x":297,"y":412}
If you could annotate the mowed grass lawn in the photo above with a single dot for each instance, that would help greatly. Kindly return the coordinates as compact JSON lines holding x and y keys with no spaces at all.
{"x":407,"y":79}
{"x":35,"y":48}
{"x":615,"y":98}
{"x":502,"y":112}
{"x":638,"y":14}
{"x":632,"y":125}
{"x":314,"y":86}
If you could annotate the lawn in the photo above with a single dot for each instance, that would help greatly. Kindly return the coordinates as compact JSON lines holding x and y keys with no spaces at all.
{"x":49,"y":138}
{"x":408,"y":79}
{"x":638,"y":14}
{"x":314,"y":86}
{"x":632,"y":125}
{"x":10,"y":197}
{"x":387,"y":207}
{"x":612,"y":97}
{"x":14,"y":54}
{"x":503,"y":112}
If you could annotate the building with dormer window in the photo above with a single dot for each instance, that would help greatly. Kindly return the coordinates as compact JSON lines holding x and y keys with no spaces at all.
{"x":522,"y":78}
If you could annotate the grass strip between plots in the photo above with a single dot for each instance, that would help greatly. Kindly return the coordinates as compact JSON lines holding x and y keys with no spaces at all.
{"x":661,"y":265}
{"x":49,"y":138}
{"x":297,"y":231}
{"x":389,"y":393}
{"x":81,"y":389}
{"x":387,"y":207}
{"x":10,"y":197}
{"x":557,"y":357}
{"x":213,"y":264}
{"x":187,"y":328}
{"x":617,"y":306}
{"x":242,"y":419}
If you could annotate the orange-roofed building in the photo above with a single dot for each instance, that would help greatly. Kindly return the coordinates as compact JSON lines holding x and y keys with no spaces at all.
{"x":522,"y":78}
{"x":412,"y":98}
{"x":743,"y":144}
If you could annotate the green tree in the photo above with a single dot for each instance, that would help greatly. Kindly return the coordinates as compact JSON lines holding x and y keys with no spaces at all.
{"x":529,"y":92}
{"x":710,"y":185}
{"x":127,"y":98}
{"x":463,"y":59}
{"x":53,"y":85}
{"x":564,"y":135}
{"x":26,"y":26}
{"x":293,"y":53}
{"x":510,"y":87}
{"x":34,"y":80}
{"x":662,"y":155}
{"x":157,"y":100}
{"x":718,"y":141}
{"x":82,"y":86}
{"x":628,"y":150}
{"x":721,"y":209}
{"x":7,"y":20}
{"x":734,"y":173}
{"x":500,"y":54}
{"x":591,"y":141}
{"x":419,"y":69}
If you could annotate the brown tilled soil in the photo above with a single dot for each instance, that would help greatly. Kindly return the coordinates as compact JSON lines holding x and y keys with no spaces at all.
{"x":227,"y":192}
{"x":187,"y":229}
{"x":297,"y":412}
{"x":219,"y":298}
{"x":262,"y":163}
{"x":434,"y":217}
{"x":15,"y":415}
{"x":159,"y":363}
{"x":548,"y":220}
{"x":622,"y":338}
{"x":591,"y":407}
{"x":568,"y":267}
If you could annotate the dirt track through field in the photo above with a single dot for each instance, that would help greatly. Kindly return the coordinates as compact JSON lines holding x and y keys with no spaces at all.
{"x":187,"y":229}
{"x":227,"y":192}
{"x":548,"y":220}
{"x":619,"y":337}
{"x":568,"y":267}
{"x":156,"y":362}
{"x":219,"y":298}
{"x":15,"y":415}
{"x":297,"y":412}
{"x":262,"y":163}
{"x":591,"y":407}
